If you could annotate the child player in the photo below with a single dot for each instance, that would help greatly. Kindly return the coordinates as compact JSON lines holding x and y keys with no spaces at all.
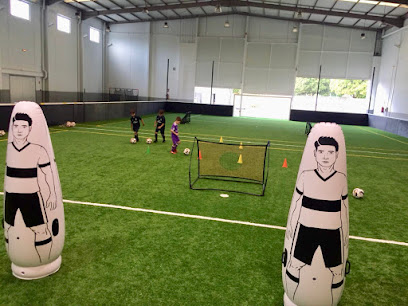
{"x":175,"y":135}
{"x":135,"y":123}
{"x":159,"y":123}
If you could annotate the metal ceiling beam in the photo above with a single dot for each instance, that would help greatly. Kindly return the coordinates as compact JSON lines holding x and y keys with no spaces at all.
{"x":398,"y":22}
{"x":256,"y":15}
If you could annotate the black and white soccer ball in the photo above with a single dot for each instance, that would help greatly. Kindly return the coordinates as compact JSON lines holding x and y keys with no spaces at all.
{"x":358,"y":193}
{"x":149,"y":140}
{"x":186,"y":151}
{"x":133,"y":140}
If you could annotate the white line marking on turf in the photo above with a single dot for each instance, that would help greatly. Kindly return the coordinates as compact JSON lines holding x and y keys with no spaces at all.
{"x":216,"y":219}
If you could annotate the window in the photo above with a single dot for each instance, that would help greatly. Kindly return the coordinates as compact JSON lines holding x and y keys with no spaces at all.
{"x":63,"y":24}
{"x":20,"y":9}
{"x":335,"y":95}
{"x":94,"y":35}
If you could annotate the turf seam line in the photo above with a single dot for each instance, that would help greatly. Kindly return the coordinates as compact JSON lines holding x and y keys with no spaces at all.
{"x":216,"y":219}
{"x":160,"y":212}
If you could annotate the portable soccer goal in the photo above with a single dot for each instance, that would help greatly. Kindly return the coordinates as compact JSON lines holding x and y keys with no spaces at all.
{"x":186,"y":118}
{"x":231,"y":167}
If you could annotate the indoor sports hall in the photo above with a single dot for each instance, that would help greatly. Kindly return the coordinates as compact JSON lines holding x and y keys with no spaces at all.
{"x":201,"y":214}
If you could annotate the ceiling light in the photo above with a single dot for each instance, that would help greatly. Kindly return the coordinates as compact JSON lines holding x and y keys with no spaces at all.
{"x":145,"y":10}
{"x":218,"y":9}
{"x":363,"y":36}
{"x":350,"y":0}
{"x":226,"y":24}
{"x":369,"y":2}
{"x":295,"y":29}
{"x":108,"y":29}
{"x":299,"y":15}
{"x":389,"y":4}
{"x":166,"y":25}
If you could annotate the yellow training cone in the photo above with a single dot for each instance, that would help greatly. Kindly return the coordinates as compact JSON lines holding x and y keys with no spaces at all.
{"x":221,"y":140}
{"x":240,"y":146}
{"x":240,"y":159}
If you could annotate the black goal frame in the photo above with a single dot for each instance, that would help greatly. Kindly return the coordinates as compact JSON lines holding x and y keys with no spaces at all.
{"x":228,"y":178}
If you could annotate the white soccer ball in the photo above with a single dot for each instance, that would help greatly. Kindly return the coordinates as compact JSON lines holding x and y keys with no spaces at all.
{"x":68,"y":124}
{"x":358,"y":193}
{"x":2,"y":133}
{"x":73,"y":124}
{"x":149,"y":140}
{"x":186,"y":151}
{"x":133,"y":140}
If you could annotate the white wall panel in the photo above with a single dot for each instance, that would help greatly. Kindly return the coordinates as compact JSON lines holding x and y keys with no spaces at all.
{"x":264,"y":29}
{"x":341,"y":52}
{"x":92,"y":58}
{"x":334,"y":65}
{"x":359,"y":66}
{"x":312,"y":37}
{"x":214,"y":26}
{"x":208,"y":49}
{"x":232,"y":50}
{"x":62,"y":51}
{"x":203,"y":73}
{"x":308,"y":64}
{"x":392,"y":90}
{"x":258,"y":55}
{"x":187,"y":71}
{"x":281,"y":81}
{"x":229,"y":75}
{"x":283,"y":56}
{"x":336,"y":39}
{"x":256,"y":80}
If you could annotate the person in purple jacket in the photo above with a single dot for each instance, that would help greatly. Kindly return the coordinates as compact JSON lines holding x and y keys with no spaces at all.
{"x":175,"y":135}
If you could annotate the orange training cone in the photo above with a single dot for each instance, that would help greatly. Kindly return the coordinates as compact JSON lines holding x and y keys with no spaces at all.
{"x":199,"y":155}
{"x":285,"y":164}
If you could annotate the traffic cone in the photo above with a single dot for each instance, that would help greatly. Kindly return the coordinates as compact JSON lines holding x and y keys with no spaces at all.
{"x":240,"y":159}
{"x":221,"y":140}
{"x":199,"y":155}
{"x":285,"y":164}
{"x":148,"y":150}
{"x":240,"y":146}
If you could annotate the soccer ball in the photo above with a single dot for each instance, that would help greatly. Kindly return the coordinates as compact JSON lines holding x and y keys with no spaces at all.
{"x":73,"y":124}
{"x":149,"y":140}
{"x":186,"y":151}
{"x":68,"y":124}
{"x":133,"y":140}
{"x":358,"y":193}
{"x":2,"y":133}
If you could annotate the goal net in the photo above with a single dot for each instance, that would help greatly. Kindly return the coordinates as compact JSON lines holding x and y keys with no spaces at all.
{"x":234,"y":167}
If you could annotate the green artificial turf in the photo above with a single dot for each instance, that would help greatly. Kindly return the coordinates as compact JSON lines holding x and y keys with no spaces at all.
{"x":114,"y":256}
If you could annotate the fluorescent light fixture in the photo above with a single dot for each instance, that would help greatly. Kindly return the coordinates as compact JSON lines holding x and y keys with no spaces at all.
{"x":350,"y":0}
{"x":389,"y":4}
{"x":226,"y":24}
{"x":166,"y":25}
{"x":68,"y":1}
{"x":404,"y":5}
{"x":369,"y":2}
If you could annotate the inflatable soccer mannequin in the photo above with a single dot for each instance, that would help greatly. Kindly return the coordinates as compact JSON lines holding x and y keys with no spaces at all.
{"x":314,"y":261}
{"x":33,"y":209}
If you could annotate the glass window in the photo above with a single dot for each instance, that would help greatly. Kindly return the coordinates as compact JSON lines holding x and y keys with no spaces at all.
{"x":335,"y":95}
{"x":94,"y":35}
{"x":63,"y":24}
{"x":20,"y":9}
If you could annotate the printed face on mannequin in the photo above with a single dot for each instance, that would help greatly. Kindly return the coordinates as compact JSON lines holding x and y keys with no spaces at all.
{"x":326,"y":155}
{"x":21,"y":129}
